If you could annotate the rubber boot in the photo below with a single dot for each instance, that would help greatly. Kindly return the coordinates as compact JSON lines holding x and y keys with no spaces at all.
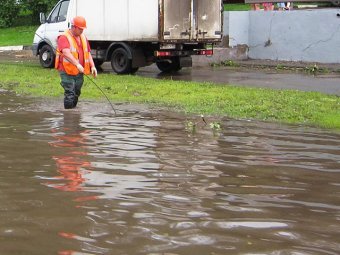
{"x":75,"y":102}
{"x":68,"y":104}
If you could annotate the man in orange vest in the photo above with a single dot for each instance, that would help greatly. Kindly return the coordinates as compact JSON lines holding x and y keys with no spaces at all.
{"x":73,"y":60}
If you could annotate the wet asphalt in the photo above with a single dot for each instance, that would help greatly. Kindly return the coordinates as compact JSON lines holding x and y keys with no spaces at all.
{"x":254,"y":73}
{"x":261,"y":78}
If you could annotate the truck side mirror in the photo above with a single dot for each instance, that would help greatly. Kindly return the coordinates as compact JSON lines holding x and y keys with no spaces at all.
{"x":42,"y":18}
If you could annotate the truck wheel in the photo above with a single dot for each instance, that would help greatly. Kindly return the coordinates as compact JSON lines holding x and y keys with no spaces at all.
{"x":120,"y":61}
{"x":169,"y":65}
{"x":47,"y":56}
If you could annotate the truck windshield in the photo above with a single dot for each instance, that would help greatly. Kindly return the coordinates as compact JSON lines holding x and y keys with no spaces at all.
{"x":59,"y":13}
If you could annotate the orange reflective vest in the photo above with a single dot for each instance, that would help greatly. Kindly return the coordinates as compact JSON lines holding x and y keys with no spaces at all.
{"x":68,"y":66}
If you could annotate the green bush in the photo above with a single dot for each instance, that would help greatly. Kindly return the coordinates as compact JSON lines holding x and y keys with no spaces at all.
{"x":8,"y":12}
{"x":23,"y":12}
{"x":34,"y":7}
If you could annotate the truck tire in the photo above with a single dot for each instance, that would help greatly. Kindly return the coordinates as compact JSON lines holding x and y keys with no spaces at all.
{"x":47,"y":56}
{"x":121,"y":63}
{"x":169,"y":65}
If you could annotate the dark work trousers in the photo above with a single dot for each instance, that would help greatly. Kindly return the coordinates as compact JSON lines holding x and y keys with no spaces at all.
{"x":72,"y":88}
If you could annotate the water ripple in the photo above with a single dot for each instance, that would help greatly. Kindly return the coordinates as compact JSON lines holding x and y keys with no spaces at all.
{"x":91,"y":183}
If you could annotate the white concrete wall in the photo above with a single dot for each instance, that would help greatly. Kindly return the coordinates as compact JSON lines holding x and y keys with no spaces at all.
{"x":236,"y":26}
{"x":297,"y":35}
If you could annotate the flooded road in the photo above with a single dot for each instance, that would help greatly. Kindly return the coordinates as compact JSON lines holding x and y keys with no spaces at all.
{"x":88,"y":182}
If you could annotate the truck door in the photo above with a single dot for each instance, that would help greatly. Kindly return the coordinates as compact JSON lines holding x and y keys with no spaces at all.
{"x":177,"y":19}
{"x":208,"y":19}
{"x":45,"y":38}
{"x":56,"y":22}
{"x":193,"y":20}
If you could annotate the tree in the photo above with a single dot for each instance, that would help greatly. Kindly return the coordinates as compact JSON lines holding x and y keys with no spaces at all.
{"x":9,"y":11}
{"x":37,"y":6}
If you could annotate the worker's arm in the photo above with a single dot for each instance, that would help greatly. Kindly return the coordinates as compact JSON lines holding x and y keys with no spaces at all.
{"x":93,"y":67}
{"x":68,"y":55}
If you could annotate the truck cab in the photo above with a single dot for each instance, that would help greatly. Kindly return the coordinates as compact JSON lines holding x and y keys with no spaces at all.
{"x":45,"y":38}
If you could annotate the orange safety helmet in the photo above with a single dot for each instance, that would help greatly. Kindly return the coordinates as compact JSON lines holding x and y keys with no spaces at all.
{"x":79,"y":21}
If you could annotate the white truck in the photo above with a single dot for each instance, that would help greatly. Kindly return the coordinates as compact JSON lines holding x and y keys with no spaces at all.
{"x":136,"y":33}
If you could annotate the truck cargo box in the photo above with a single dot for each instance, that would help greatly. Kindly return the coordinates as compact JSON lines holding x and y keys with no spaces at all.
{"x":150,"y":20}
{"x":119,"y":20}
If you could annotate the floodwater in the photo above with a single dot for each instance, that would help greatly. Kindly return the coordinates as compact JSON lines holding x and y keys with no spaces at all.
{"x":86,"y":181}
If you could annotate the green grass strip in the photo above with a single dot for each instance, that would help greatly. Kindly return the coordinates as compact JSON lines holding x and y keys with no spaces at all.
{"x":285,"y":106}
{"x":22,"y":35}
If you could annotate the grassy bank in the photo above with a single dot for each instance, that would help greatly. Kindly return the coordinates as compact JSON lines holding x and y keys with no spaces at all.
{"x":237,"y":7}
{"x":22,"y":35}
{"x":285,"y":106}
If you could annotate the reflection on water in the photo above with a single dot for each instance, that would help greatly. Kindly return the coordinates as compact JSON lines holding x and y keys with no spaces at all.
{"x":86,"y":182}
{"x":71,"y":163}
{"x":84,"y":148}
